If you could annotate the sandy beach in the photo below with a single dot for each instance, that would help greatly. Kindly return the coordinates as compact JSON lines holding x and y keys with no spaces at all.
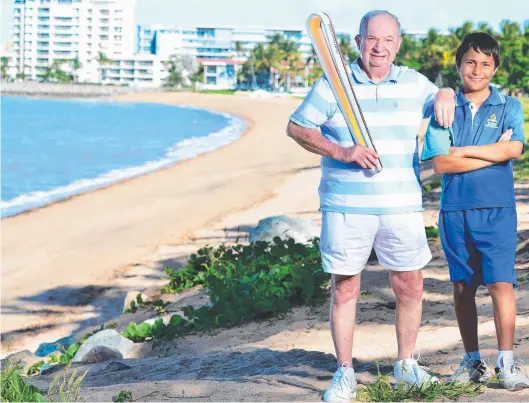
{"x":67,"y":266}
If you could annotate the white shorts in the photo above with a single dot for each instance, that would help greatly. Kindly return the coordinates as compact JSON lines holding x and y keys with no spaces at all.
{"x":399,"y":241}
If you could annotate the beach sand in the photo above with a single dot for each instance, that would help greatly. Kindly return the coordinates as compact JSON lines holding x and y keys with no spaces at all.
{"x":79,"y":257}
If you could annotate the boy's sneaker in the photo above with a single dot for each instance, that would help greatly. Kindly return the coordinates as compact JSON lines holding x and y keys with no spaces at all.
{"x":513,"y":376}
{"x":471,"y":371}
{"x":343,"y":386}
{"x":411,"y":373}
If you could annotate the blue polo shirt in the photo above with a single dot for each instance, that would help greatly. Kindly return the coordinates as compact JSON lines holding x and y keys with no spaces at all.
{"x":488,"y":187}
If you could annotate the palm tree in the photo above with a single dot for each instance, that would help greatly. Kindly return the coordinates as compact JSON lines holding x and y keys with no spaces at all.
{"x":346,"y":47}
{"x":76,"y":66}
{"x":104,"y":62}
{"x":174,"y":72}
{"x":5,"y":63}
{"x":198,"y":76}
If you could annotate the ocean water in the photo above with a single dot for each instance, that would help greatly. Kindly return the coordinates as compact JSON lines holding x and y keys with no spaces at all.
{"x":52,"y":149}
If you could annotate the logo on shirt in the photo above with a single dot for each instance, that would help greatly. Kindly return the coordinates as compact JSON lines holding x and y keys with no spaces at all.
{"x":492,"y":121}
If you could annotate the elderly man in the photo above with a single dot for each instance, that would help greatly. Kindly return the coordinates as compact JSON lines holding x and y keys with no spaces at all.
{"x":362,"y":210}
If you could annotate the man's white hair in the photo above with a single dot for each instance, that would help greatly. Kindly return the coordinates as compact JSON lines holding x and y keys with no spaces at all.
{"x":365,"y":19}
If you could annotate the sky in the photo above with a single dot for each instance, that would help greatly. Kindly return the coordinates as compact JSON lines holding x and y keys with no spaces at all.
{"x":346,"y":14}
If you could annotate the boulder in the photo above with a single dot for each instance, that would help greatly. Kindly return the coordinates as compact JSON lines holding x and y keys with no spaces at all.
{"x":301,"y":230}
{"x":101,"y":354}
{"x":25,"y":359}
{"x":107,"y":338}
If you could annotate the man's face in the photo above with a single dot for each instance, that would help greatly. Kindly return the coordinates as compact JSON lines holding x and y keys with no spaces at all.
{"x":380,"y":42}
{"x":476,"y":70}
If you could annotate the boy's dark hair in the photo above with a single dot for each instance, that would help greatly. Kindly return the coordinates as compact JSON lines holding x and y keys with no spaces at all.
{"x":480,"y":42}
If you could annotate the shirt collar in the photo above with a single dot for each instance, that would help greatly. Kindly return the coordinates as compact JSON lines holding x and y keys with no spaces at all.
{"x":495,"y":97}
{"x":361,"y":76}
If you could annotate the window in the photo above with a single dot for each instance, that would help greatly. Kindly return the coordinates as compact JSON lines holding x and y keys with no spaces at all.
{"x":211,"y":80}
{"x":104,"y":12}
{"x":145,"y":63}
{"x":118,"y":37}
{"x":212,"y":69}
{"x":103,"y":37}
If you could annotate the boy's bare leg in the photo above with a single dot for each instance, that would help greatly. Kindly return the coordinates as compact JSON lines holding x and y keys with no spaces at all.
{"x":466,"y":314}
{"x":504,"y":305}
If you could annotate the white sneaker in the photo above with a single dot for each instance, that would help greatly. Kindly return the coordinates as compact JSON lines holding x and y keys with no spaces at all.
{"x":411,"y":373}
{"x":343,"y":386}
{"x":513,"y":376}
{"x":471,"y":371}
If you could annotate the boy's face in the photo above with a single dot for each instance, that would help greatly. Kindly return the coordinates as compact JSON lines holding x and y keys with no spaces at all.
{"x":477,"y":69}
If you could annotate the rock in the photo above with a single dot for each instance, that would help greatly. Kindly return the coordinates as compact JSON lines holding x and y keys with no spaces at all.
{"x":300,"y":229}
{"x":116,"y":366}
{"x":152,"y":293}
{"x":46,"y":369}
{"x":101,"y":354}
{"x":59,"y":345}
{"x":25,"y":359}
{"x":132,"y":296}
{"x":108,"y":338}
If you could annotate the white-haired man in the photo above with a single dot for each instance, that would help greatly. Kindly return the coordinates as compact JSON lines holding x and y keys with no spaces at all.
{"x":362,"y":210}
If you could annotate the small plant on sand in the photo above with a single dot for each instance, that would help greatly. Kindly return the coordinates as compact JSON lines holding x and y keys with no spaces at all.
{"x":431,"y":186}
{"x":66,"y":386}
{"x":157,"y":305}
{"x":124,"y":396}
{"x":431,"y":232}
{"x":15,"y":388}
{"x":382,"y":390}
{"x":176,"y":327}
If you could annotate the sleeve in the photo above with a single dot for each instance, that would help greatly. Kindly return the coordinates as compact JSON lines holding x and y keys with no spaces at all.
{"x":318,"y":107}
{"x":429,"y":92}
{"x":514,"y":120}
{"x":437,"y":141}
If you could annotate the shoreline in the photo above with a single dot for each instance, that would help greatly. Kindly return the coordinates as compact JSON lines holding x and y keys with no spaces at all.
{"x":237,"y":127}
{"x":92,"y":239}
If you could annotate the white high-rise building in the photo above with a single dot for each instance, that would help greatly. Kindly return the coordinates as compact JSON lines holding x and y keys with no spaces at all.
{"x":214,"y":42}
{"x":45,"y":31}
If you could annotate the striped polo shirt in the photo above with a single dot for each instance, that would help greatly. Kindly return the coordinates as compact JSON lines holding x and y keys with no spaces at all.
{"x":393,"y":111}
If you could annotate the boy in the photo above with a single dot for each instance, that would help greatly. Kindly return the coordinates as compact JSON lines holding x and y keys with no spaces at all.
{"x":477,"y":218}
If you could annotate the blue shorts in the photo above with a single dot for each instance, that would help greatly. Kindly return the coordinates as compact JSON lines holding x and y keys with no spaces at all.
{"x":480,"y":245}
